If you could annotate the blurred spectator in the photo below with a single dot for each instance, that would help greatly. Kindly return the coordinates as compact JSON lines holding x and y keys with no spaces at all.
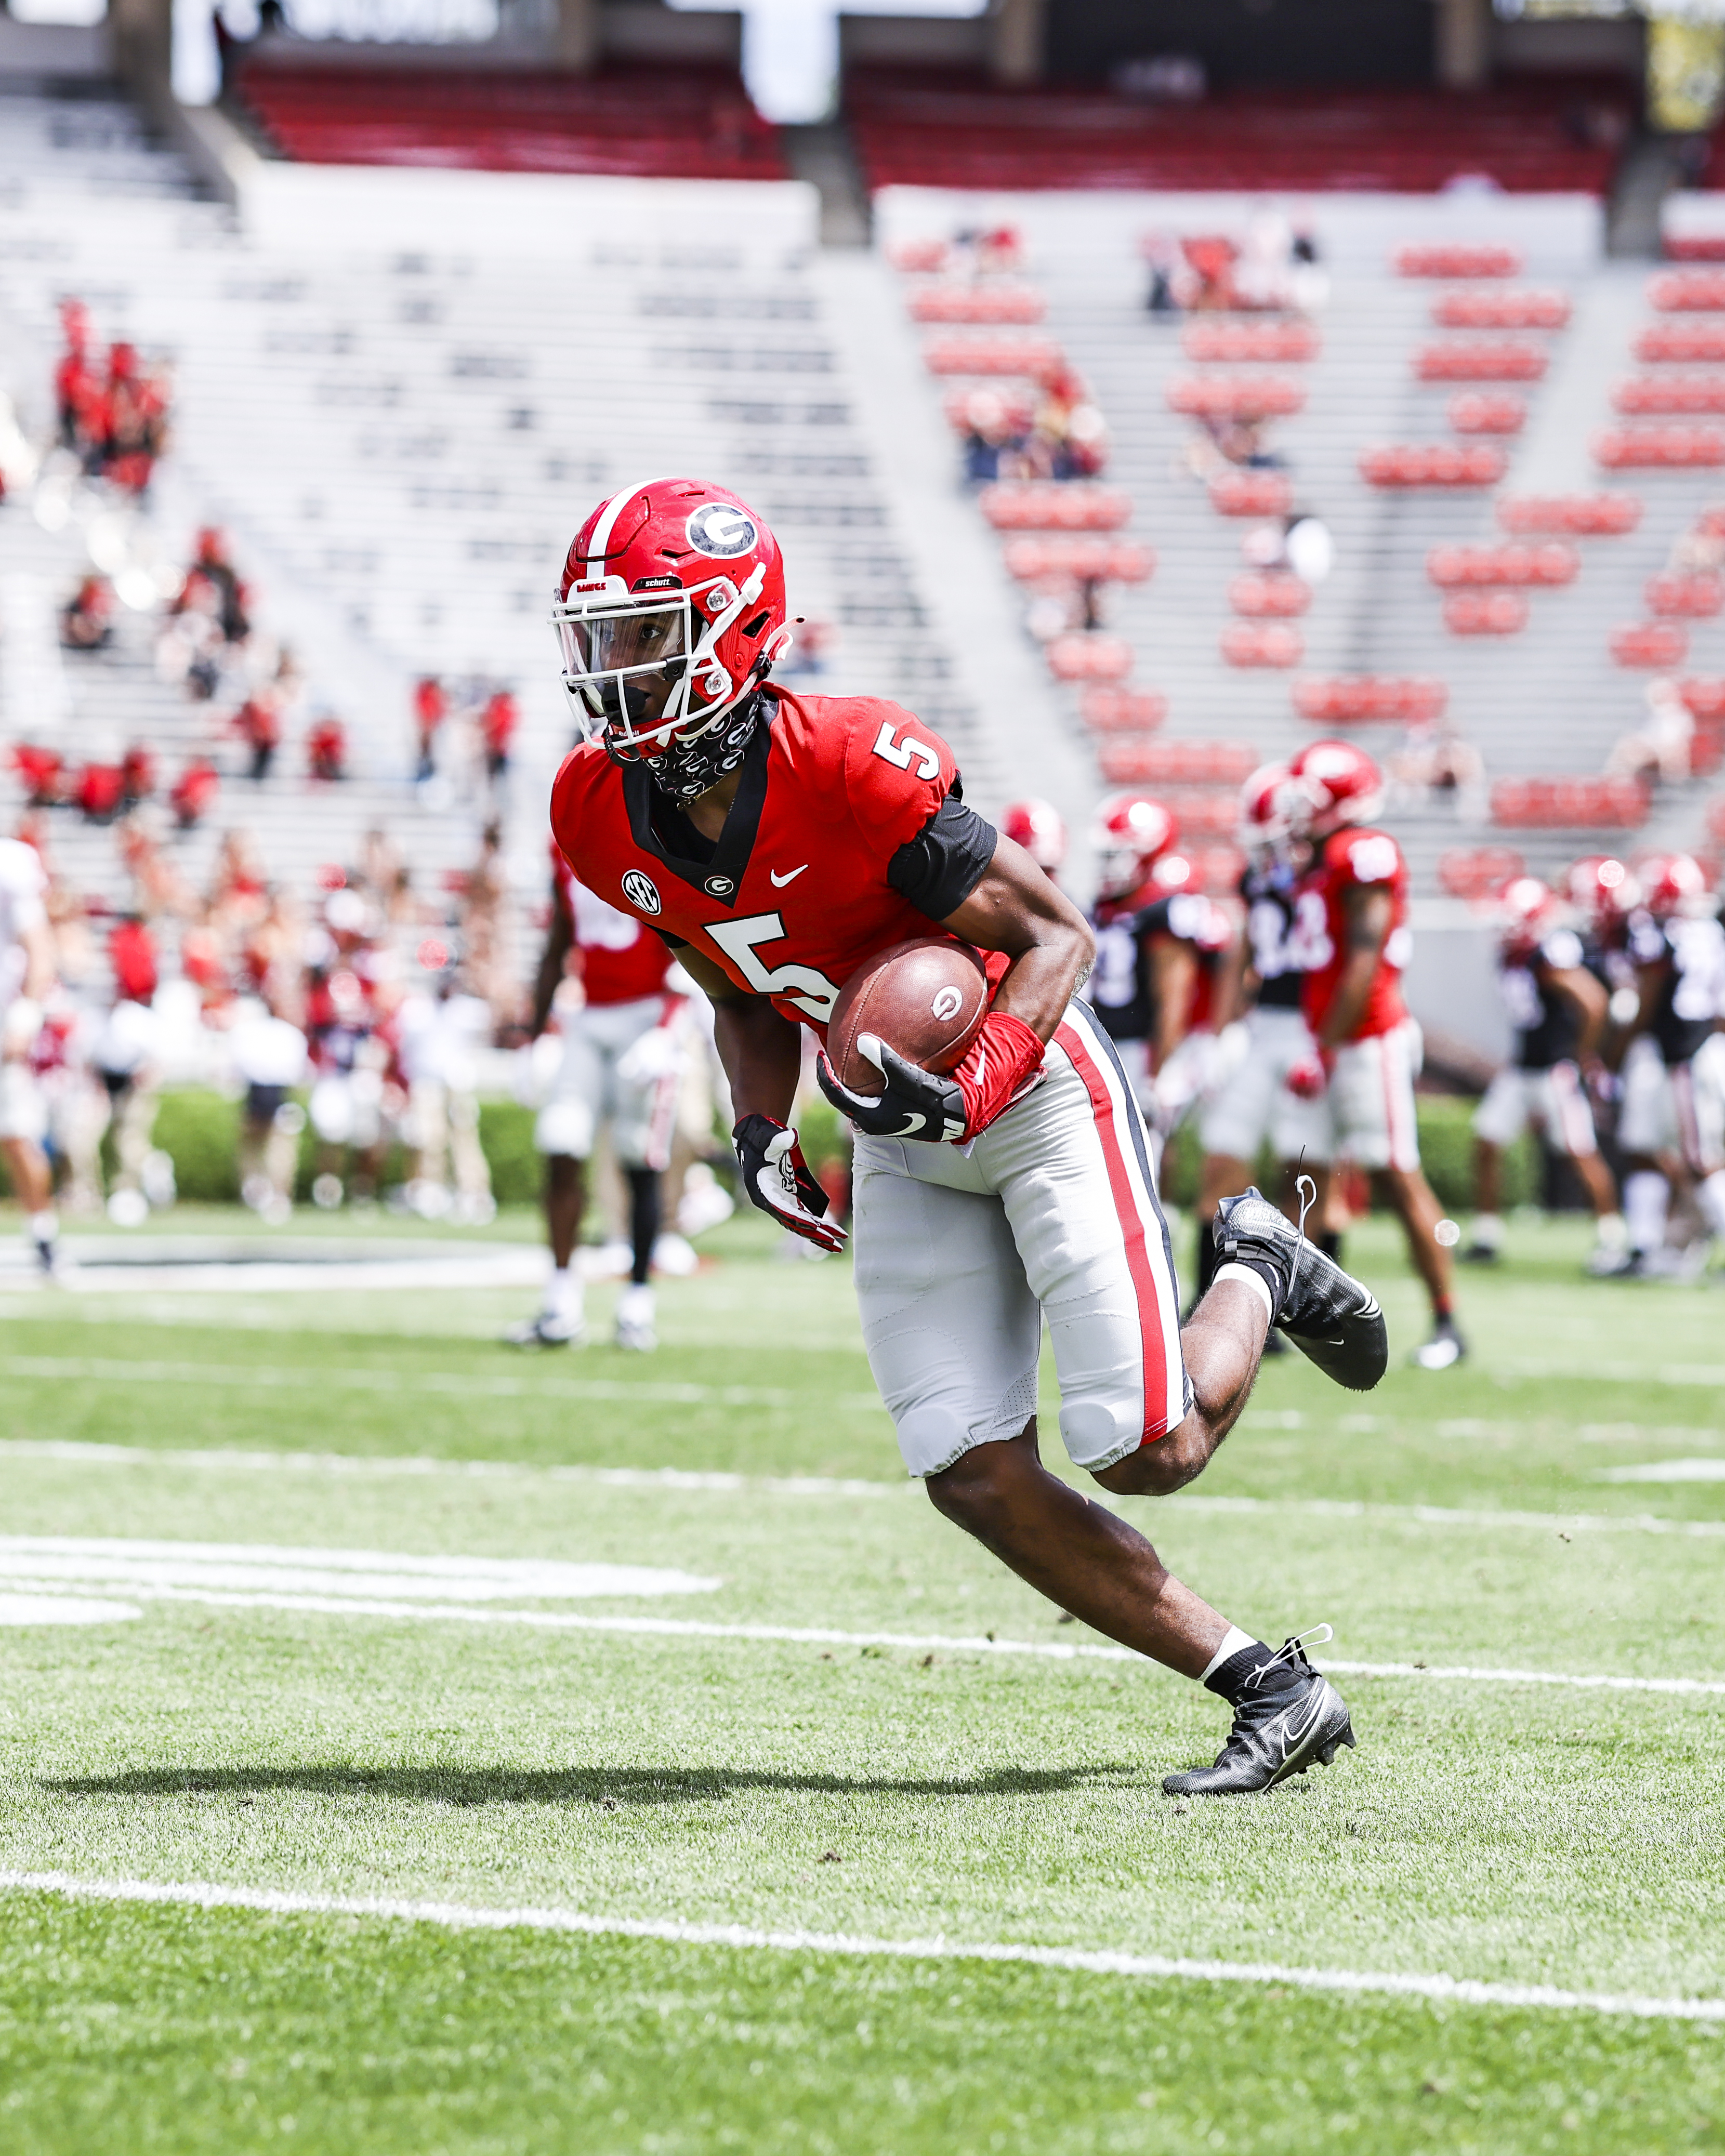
{"x":482,"y":913}
{"x":123,"y":1056}
{"x":269,"y":1059}
{"x":136,"y":421}
{"x":326,"y":750}
{"x":442,"y":1030}
{"x":211,"y":562}
{"x":97,"y":792}
{"x":75,"y":386}
{"x":812,"y":649}
{"x":1659,"y":748}
{"x":87,"y":619}
{"x":1435,"y":765}
{"x":498,"y":721}
{"x":431,"y":705}
{"x":41,"y":772}
{"x":137,"y":775}
{"x":194,"y":792}
{"x":257,"y":722}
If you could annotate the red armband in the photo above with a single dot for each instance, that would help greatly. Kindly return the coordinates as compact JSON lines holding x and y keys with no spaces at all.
{"x":999,"y":1062}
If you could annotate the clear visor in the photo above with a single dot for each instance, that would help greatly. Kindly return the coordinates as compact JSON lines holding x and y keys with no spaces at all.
{"x":622,"y":665}
{"x":622,"y":643}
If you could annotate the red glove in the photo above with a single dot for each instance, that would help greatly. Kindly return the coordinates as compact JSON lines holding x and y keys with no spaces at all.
{"x":921,"y":1104}
{"x":997,"y":1062}
{"x":1310,"y":1077}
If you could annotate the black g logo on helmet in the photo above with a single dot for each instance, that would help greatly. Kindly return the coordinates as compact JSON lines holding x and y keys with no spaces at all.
{"x":723,"y":530}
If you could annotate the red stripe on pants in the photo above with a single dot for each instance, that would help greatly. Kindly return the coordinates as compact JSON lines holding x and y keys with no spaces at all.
{"x":1132,"y":1223}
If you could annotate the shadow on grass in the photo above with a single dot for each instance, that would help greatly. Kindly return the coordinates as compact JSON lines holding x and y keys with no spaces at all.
{"x":610,"y":1787}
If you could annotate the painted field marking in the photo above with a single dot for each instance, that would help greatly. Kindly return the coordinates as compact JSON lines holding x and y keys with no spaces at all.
{"x":149,"y":1582}
{"x":1618,"y":1373}
{"x":64,"y":1610}
{"x":1667,"y":1470}
{"x":360,"y":1579}
{"x":1095,"y":1961}
{"x":387,"y":1466}
{"x":459,"y":1383}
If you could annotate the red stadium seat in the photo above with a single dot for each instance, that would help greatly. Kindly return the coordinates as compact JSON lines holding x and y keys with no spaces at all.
{"x":1649,"y":644}
{"x":1519,"y":310}
{"x":1448,"y":260}
{"x":1716,"y":816}
{"x":1272,"y":598}
{"x":1691,"y":598}
{"x":1252,"y":493}
{"x":1025,"y":356}
{"x":976,"y":303}
{"x":1366,"y":699}
{"x":1164,"y":762}
{"x":1629,"y":449}
{"x":1476,"y":873}
{"x":1670,"y":392}
{"x":1685,"y":344}
{"x":919,"y":255}
{"x":1549,"y":565}
{"x":1040,"y":507}
{"x":1696,"y":247}
{"x":1704,"y":694}
{"x":1578,"y":803}
{"x":1477,"y":412}
{"x":1687,"y":291}
{"x":1123,"y":710}
{"x":1105,"y":561}
{"x":1475,"y":359}
{"x":1244,"y":645}
{"x":1440,"y":464}
{"x":1088,"y":658}
{"x":1485,"y":613}
{"x":1250,"y":342}
{"x":1235,"y":396}
{"x":1580,"y":515}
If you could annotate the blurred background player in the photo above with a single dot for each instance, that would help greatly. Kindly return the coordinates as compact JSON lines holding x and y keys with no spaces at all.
{"x":1037,"y":826}
{"x":26,"y":977}
{"x":442,"y":1030}
{"x":1254,"y":1104}
{"x":1352,"y":937}
{"x":621,"y":1065}
{"x":1559,"y":1011}
{"x":1671,"y":1128}
{"x":1159,"y":947}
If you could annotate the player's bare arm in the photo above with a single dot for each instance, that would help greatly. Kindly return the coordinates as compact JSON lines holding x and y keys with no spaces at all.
{"x":1173,"y":973}
{"x":1016,"y":910}
{"x":1587,"y":998}
{"x":760,"y":1051}
{"x":1371,"y":914}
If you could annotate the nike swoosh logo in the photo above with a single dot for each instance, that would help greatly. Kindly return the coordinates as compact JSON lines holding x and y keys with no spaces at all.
{"x":778,"y":881}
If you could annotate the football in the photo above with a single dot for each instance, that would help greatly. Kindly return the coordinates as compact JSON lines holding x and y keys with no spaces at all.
{"x":926,"y":998}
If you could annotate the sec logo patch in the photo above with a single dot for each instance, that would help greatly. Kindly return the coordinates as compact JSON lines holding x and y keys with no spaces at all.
{"x":720,"y":529}
{"x":641,"y":892}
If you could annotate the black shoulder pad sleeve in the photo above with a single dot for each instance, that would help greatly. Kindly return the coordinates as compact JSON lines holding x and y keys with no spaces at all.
{"x":938,"y":869}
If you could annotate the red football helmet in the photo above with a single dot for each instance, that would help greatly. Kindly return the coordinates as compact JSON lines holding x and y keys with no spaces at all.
{"x":1266,"y":809}
{"x":1130,"y":835}
{"x":670,"y":611}
{"x":1336,"y":783}
{"x":1669,"y":882}
{"x":1036,"y":826}
{"x":1528,"y":910}
{"x":1603,"y":888}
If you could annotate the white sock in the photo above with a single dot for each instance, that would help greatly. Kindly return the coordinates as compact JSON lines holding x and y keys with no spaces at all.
{"x":1232,"y":1640}
{"x":1646,"y":1200}
{"x":635,"y":1303}
{"x":1252,"y":1280}
{"x":1488,"y":1230}
{"x":562,"y":1295}
{"x":45,"y":1226}
{"x":1710,"y":1197}
{"x":1612,"y":1231}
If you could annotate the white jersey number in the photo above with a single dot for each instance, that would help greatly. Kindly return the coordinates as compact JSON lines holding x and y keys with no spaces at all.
{"x":812,"y":992}
{"x":900,"y":752}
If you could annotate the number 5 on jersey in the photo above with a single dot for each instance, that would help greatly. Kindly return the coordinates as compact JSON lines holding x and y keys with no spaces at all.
{"x":812,"y":992}
{"x":901,"y":752}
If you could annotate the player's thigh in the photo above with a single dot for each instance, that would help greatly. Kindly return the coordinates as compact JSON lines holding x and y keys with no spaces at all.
{"x":1372,"y":1101}
{"x":1647,"y":1119}
{"x":1561,"y":1105}
{"x":24,"y":1110}
{"x":640,"y":1112}
{"x":1073,"y":1165}
{"x":566,"y":1124}
{"x":951,"y":1330}
{"x":1237,"y":1121}
{"x":1501,"y":1116}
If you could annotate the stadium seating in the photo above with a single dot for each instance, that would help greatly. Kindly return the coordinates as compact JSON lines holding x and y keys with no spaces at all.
{"x":679,"y":122}
{"x":1571,"y":803}
{"x":1473,"y":309}
{"x":1474,"y":413}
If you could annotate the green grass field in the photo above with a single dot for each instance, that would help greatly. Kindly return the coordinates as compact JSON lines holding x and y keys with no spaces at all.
{"x":839,"y":1729}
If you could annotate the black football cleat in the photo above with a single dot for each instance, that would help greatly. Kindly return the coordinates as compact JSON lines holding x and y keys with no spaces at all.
{"x":1331,"y":1318}
{"x":1290,"y":1716}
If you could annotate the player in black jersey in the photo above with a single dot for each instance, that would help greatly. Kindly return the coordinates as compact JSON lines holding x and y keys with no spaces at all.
{"x":1557,"y":1010}
{"x":1672,"y":1124}
{"x":1254,"y":1103}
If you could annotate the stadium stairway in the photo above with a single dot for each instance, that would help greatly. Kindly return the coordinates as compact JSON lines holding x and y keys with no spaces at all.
{"x":1547,"y":701}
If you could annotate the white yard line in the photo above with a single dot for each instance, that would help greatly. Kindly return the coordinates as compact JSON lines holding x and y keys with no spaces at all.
{"x":387,"y":1466}
{"x":808,"y":1635}
{"x":1097,"y":1961}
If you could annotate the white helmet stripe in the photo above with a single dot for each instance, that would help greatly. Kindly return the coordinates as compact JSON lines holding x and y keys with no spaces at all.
{"x":607,"y":520}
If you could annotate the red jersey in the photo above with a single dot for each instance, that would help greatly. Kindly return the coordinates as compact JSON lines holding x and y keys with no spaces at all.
{"x":621,"y":961}
{"x":1350,"y":861}
{"x":795,"y":895}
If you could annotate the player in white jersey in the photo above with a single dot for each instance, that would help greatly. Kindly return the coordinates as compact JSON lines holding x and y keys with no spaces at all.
{"x":26,"y":976}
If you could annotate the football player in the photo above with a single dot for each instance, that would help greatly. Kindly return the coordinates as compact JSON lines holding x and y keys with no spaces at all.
{"x":621,"y":1061}
{"x":26,"y":973}
{"x":779,"y":842}
{"x":1671,"y":1126}
{"x":1351,"y":922}
{"x":1558,"y":1010}
{"x":1160,"y":947}
{"x":1255,"y":1103}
